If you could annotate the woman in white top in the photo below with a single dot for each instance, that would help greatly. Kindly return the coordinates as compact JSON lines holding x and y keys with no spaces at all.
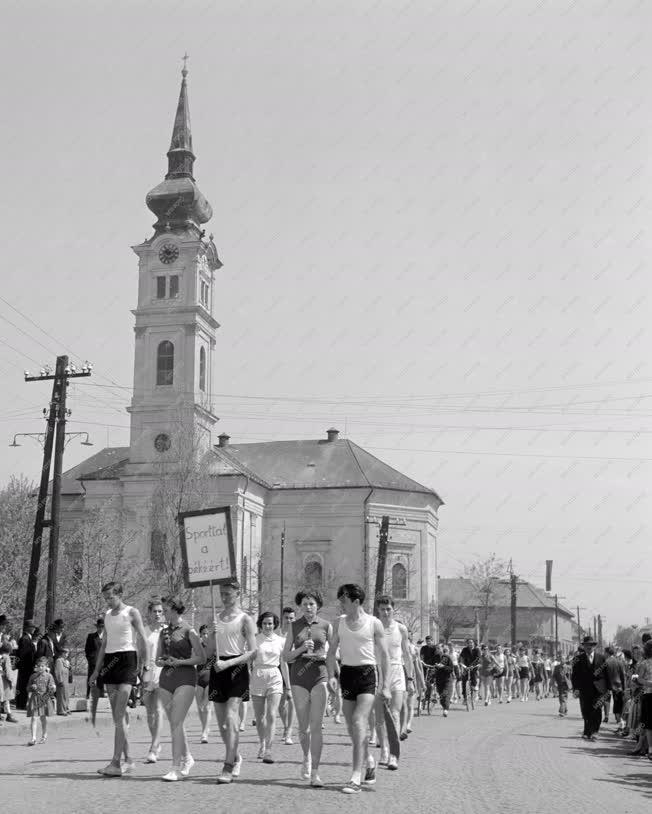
{"x":266,"y":684}
{"x":500,"y":673}
{"x":151,"y":673}
{"x":524,"y":671}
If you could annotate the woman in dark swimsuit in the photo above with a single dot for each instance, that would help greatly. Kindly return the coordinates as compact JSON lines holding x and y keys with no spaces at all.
{"x":179,"y":650}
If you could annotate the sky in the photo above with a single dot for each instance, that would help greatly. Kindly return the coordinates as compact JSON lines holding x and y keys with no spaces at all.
{"x":433,"y":219}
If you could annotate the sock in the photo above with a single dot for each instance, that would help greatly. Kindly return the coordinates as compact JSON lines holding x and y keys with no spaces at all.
{"x":370,"y":762}
{"x":356,"y":778}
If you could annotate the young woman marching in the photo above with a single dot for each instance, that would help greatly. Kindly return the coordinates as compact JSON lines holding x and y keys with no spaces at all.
{"x":268,"y":673}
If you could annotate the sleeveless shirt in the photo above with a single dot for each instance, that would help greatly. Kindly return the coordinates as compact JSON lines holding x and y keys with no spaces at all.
{"x":230,"y":641}
{"x":394,"y":642}
{"x":357,"y":646}
{"x":120,"y":635}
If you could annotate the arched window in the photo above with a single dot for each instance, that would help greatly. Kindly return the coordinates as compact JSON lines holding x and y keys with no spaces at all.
{"x":158,"y":540}
{"x":202,"y":369}
{"x":313,"y":574}
{"x":399,"y":581}
{"x":165,"y":363}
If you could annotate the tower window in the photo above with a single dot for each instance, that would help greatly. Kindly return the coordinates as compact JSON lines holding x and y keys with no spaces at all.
{"x":203,"y":296}
{"x":313,"y":574}
{"x":399,"y":581}
{"x":160,"y":288}
{"x":165,"y":363}
{"x":202,"y":369}
{"x":174,"y":285}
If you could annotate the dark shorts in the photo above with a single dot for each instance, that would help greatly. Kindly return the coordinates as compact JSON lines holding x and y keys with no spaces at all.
{"x":307,"y":674}
{"x":646,"y":710}
{"x":174,"y":677}
{"x":356,"y":681}
{"x":119,"y":668}
{"x":523,"y":672}
{"x":233,"y":682}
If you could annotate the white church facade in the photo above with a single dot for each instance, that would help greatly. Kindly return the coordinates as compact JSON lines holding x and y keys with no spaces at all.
{"x":324,"y":498}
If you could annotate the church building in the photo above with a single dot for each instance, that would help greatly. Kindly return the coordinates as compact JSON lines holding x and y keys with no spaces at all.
{"x":319,"y":500}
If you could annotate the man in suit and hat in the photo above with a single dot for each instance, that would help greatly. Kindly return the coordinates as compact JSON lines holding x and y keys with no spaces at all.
{"x":26,"y":655}
{"x":591,"y":685}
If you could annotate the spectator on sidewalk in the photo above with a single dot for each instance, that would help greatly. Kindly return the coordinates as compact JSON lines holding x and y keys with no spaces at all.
{"x":91,"y":649}
{"x":61,"y":673}
{"x":615,"y":670}
{"x":26,"y":656}
{"x":561,"y":683}
{"x":6,"y":687}
{"x":590,"y":686}
{"x":45,"y":648}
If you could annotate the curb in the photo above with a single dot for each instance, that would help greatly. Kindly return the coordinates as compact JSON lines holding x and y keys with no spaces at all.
{"x":55,"y":724}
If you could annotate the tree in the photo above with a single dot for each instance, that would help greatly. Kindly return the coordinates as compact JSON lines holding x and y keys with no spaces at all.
{"x":183,"y":484}
{"x":448,"y":618}
{"x":17,"y":509}
{"x":626,"y":636}
{"x":484,"y":576}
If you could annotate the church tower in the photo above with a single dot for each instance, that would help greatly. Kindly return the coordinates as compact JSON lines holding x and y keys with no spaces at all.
{"x":175,"y":328}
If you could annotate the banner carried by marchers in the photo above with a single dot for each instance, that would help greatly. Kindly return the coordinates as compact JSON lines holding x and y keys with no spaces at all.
{"x":207,"y":546}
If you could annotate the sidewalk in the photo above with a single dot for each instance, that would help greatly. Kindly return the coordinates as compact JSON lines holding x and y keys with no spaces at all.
{"x":58,"y":723}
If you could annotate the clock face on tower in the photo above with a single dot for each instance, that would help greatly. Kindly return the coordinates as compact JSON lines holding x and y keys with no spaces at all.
{"x":162,"y":442}
{"x":168,"y":253}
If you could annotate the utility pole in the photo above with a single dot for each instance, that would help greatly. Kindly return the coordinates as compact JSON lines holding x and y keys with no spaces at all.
{"x":382,"y":560}
{"x":579,"y":625}
{"x":282,"y":586}
{"x":599,"y":639}
{"x":55,"y":434}
{"x":556,"y":625}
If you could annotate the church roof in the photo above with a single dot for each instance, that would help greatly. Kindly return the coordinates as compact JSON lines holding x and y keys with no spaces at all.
{"x":106,"y":464}
{"x":319,"y":464}
{"x":460,"y":591}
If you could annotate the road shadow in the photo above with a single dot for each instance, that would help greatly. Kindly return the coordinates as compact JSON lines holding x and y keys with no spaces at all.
{"x":640,"y":782}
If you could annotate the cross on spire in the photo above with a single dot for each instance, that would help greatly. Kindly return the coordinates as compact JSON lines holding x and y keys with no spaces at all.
{"x":185,"y":58}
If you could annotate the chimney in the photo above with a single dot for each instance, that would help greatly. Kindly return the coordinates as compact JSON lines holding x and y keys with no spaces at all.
{"x":332,"y":434}
{"x":223,"y":440}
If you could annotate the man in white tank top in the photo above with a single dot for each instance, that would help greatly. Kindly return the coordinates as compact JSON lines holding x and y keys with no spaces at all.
{"x":234,"y":645}
{"x":398,"y":649}
{"x":359,"y":637}
{"x":117,"y":663}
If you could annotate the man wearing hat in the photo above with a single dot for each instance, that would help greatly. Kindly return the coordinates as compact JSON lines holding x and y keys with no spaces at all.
{"x":92,"y":648}
{"x":591,"y":685}
{"x":26,"y":655}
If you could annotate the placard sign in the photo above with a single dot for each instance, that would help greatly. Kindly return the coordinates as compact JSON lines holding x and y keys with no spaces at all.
{"x":207,"y":546}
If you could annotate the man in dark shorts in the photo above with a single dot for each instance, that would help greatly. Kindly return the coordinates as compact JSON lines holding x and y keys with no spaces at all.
{"x":235,"y":633}
{"x":360,"y":638}
{"x":117,"y":666}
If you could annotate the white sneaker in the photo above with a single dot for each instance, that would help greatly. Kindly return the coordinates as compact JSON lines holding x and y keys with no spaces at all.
{"x":127,"y":767}
{"x":261,"y":752}
{"x":151,"y":757}
{"x":172,"y":776}
{"x":287,"y":740}
{"x":186,"y":766}
{"x":445,"y":713}
{"x":306,"y":768}
{"x":204,"y":739}
{"x":237,"y":766}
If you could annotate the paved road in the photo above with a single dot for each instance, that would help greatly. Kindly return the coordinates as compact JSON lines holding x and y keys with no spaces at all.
{"x":506,"y":759}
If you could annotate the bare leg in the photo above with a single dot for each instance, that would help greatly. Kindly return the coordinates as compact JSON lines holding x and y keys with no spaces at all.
{"x":118,"y":698}
{"x":271,"y":713}
{"x":356,"y":714}
{"x":259,"y":711}
{"x":228,"y":719}
{"x":203,"y":709}
{"x":153,"y":707}
{"x":302,"y":707}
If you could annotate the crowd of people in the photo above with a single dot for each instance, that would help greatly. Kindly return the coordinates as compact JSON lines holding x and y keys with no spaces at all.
{"x":301,"y":668}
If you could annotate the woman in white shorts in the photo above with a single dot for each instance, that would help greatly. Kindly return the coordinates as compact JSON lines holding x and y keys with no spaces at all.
{"x":266,"y":684}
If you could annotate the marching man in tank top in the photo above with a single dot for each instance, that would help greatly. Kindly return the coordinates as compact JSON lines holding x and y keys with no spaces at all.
{"x":398,"y":648}
{"x":229,"y":678}
{"x":117,"y":665}
{"x":359,"y":637}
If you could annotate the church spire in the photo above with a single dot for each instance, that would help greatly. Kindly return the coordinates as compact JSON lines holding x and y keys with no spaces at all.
{"x":180,"y":155}
{"x":177,"y":201}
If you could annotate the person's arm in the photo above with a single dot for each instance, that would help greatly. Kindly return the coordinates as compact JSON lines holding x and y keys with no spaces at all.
{"x":381,"y":648}
{"x":141,"y":636}
{"x":285,"y":672}
{"x":289,"y":654}
{"x":249,"y":633}
{"x":98,"y":663}
{"x":407,"y":656}
{"x":322,"y":656}
{"x":331,"y":662}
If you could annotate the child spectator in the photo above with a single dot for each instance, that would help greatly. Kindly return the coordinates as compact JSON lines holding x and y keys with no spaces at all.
{"x":40,"y":700}
{"x":6,"y":684}
{"x":562,"y":683}
{"x":61,"y":671}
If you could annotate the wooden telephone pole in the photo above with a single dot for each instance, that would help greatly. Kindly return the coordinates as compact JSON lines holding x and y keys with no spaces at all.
{"x":56,"y":426}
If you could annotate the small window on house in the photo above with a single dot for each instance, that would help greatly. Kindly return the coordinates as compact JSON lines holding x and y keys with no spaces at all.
{"x":158,"y":540}
{"x":174,"y":285}
{"x":165,"y":363}
{"x":313,"y":574}
{"x":204,"y":294}
{"x":202,"y":370}
{"x":160,"y":288}
{"x":399,"y":581}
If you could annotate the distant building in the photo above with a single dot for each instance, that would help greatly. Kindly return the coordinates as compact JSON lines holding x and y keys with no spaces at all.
{"x":460,"y":613}
{"x":327,"y":495}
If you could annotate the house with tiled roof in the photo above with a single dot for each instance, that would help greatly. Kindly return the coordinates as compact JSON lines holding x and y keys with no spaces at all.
{"x":324,"y":497}
{"x":461,"y":611}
